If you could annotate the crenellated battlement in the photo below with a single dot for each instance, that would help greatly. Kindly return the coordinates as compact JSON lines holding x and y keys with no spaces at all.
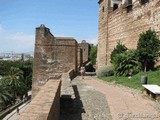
{"x":124,"y":24}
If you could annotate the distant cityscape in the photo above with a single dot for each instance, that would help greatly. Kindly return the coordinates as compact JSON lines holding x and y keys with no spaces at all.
{"x":16,"y":56}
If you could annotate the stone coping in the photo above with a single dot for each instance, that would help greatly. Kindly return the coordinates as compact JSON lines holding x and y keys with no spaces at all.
{"x":45,"y":105}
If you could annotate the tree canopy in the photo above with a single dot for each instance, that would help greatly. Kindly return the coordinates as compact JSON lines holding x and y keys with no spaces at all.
{"x":93,"y":54}
{"x":16,"y":81}
{"x":120,"y":48}
{"x":148,"y":49}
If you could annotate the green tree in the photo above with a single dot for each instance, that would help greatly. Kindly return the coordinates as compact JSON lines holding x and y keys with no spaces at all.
{"x":15,"y":81}
{"x":120,"y":48}
{"x":27,"y":73}
{"x":93,"y":55}
{"x":148,"y":49}
{"x":5,"y":95}
{"x":6,"y":65}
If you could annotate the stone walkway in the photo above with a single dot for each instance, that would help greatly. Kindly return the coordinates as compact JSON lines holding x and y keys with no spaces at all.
{"x":99,"y":100}
{"x":126,"y":103}
{"x":89,"y":104}
{"x":13,"y":115}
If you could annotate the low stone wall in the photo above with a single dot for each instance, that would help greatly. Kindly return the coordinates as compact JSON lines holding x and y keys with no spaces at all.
{"x":46,"y":104}
{"x":67,"y":90}
{"x":71,"y":73}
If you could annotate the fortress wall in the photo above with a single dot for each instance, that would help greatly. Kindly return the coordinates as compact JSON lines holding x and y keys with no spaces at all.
{"x":79,"y":57}
{"x":126,"y":27}
{"x":46,"y":104}
{"x":102,"y":33}
{"x":67,"y":53}
{"x":85,"y":51}
{"x":53,"y":56}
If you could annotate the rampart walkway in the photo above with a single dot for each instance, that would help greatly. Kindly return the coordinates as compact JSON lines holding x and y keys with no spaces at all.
{"x":89,"y":104}
{"x":98,"y":100}
{"x":90,"y":99}
{"x":126,"y":103}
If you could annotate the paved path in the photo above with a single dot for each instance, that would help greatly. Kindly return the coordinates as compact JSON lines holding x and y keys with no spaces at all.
{"x":98,"y":100}
{"x":13,"y":115}
{"x":89,"y":104}
{"x":125,"y":103}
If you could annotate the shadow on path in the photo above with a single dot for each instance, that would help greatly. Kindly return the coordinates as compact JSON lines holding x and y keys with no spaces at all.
{"x":71,"y":109}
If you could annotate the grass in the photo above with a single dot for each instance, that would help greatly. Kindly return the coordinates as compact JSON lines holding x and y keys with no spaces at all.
{"x":134,"y":81}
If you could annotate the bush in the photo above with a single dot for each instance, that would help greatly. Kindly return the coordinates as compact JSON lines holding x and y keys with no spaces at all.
{"x":105,"y":71}
{"x":127,"y":63}
{"x":120,"y":48}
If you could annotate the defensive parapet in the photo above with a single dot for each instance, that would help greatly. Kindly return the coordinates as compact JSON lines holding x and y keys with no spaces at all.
{"x":53,"y":56}
{"x":83,"y":52}
{"x":46,"y":104}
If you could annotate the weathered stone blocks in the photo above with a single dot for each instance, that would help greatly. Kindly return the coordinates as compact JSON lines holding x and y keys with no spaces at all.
{"x":46,"y":104}
{"x":120,"y":25}
{"x":53,"y":56}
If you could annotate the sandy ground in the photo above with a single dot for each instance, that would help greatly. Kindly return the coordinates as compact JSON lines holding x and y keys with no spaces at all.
{"x":125,"y":103}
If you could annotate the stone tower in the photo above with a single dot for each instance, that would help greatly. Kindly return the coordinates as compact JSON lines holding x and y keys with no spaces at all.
{"x":124,"y":21}
{"x":102,"y":33}
{"x":53,"y":56}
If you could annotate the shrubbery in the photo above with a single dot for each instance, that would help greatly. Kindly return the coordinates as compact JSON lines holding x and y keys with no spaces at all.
{"x":105,"y":71}
{"x":120,"y":48}
{"x":127,"y":63}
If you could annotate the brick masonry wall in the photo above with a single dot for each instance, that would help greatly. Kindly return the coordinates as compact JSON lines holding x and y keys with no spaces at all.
{"x":67,"y":89}
{"x":46,"y":104}
{"x":85,"y":51}
{"x":79,"y":57}
{"x":53,"y":56}
{"x":126,"y":27}
{"x":102,"y":33}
